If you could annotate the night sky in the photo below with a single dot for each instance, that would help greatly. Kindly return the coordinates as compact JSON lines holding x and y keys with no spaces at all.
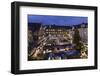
{"x":57,"y":20}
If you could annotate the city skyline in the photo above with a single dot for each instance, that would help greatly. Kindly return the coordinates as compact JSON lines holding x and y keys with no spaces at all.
{"x":57,"y":20}
{"x":57,"y":37}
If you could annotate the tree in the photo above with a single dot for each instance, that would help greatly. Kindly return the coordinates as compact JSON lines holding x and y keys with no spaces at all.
{"x":77,"y":39}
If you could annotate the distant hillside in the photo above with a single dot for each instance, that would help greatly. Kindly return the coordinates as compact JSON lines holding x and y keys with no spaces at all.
{"x":35,"y":26}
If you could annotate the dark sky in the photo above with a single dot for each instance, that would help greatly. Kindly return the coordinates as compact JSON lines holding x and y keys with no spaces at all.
{"x":58,"y":20}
